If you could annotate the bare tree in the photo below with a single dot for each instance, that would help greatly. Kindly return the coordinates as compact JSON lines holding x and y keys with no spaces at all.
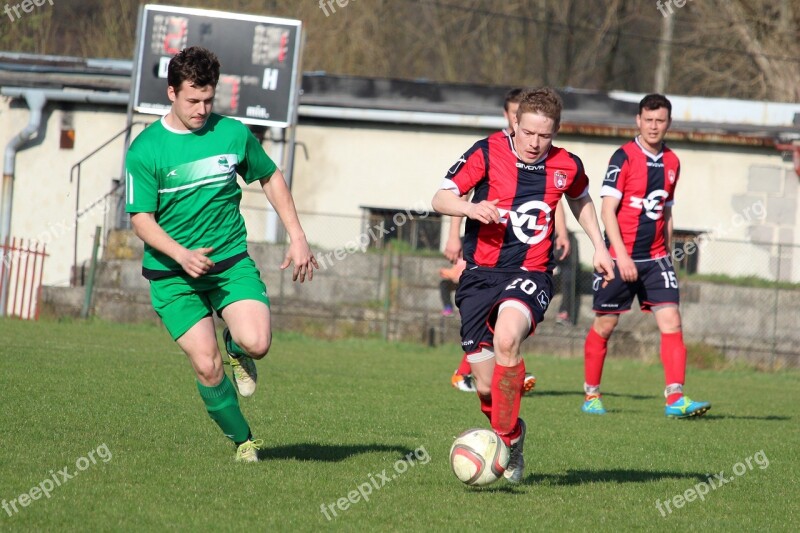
{"x":732,"y":48}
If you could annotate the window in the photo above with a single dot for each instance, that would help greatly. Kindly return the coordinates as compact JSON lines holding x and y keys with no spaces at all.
{"x":685,"y":252}
{"x":419,"y":229}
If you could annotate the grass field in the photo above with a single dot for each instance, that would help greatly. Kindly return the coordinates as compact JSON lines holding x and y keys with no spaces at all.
{"x":339,"y":415}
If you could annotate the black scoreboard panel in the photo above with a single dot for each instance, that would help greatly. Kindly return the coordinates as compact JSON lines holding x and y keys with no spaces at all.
{"x":259,"y":58}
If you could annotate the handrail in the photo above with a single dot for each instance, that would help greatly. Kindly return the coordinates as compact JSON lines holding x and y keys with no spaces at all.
{"x":72,"y":174}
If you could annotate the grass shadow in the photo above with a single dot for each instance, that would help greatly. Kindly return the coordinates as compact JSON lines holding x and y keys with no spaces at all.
{"x":631,"y":396}
{"x":579,"y":477}
{"x":327,"y":452}
{"x":580,"y":393}
{"x":537,"y":392}
{"x":770,"y":418}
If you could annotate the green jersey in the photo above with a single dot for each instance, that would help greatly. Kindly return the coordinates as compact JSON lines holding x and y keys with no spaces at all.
{"x":188,"y":180}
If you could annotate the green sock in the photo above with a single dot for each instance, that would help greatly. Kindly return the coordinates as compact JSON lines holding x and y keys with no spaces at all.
{"x":222,"y":405}
{"x":234,"y":348}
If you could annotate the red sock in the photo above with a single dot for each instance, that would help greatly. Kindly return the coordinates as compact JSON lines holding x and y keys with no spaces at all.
{"x":486,"y":405}
{"x":506,"y":395}
{"x":594,"y":355}
{"x":673,"y":357}
{"x":464,"y":368}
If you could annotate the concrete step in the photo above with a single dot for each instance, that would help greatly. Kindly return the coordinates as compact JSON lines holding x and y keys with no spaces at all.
{"x":115,"y":305}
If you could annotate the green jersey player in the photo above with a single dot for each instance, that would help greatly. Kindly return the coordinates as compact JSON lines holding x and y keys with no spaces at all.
{"x":183,"y":197}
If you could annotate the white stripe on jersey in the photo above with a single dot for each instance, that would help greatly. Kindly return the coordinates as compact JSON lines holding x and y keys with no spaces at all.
{"x":195,"y":184}
{"x":130,"y":188}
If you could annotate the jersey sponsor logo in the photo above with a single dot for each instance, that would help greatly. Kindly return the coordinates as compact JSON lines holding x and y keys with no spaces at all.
{"x":560,"y":179}
{"x":454,"y":169}
{"x":655,"y":164}
{"x":671,"y":176}
{"x":613,"y":172}
{"x":172,"y":173}
{"x":653,"y":205}
{"x":525,"y":219}
{"x":225,"y":165}
{"x":526,"y":166}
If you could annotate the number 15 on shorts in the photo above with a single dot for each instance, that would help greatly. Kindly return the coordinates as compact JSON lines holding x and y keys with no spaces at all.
{"x":670,"y":281}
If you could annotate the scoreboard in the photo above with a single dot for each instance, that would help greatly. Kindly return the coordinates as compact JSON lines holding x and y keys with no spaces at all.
{"x":259,"y":57}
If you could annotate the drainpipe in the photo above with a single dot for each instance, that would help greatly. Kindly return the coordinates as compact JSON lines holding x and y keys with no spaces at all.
{"x":36,"y":101}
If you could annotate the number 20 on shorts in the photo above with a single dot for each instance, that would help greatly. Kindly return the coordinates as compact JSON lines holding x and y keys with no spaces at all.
{"x":527,"y":286}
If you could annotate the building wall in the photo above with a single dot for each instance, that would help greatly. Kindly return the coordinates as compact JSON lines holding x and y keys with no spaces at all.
{"x":44,"y":198}
{"x":395,"y":166}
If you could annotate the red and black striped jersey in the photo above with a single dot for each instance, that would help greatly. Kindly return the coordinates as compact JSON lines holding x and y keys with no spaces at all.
{"x":528,"y":194}
{"x":644,"y":183}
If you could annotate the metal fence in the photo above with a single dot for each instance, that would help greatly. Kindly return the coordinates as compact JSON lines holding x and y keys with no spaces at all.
{"x":21,"y":272}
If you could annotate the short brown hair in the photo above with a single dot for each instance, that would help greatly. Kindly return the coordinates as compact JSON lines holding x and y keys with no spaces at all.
{"x":197,"y":65}
{"x":651,"y":102}
{"x":544,"y":101}
{"x":514,"y":96}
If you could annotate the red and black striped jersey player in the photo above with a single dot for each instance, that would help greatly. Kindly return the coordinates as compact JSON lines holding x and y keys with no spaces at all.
{"x":516,"y":181}
{"x":638,"y":194}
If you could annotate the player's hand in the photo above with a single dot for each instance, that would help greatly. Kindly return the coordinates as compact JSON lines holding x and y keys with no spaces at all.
{"x":603,"y":265}
{"x":195,"y":262}
{"x":304,"y":261}
{"x":485,"y":212}
{"x":452,"y":250}
{"x":562,"y":243}
{"x":627,"y":269}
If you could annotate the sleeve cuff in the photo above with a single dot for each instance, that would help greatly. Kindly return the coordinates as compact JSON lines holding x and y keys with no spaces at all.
{"x":449,"y":185}
{"x":581,"y":195}
{"x":607,"y":190}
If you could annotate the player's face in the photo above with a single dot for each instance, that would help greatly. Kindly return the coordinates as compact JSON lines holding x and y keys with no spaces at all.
{"x":533,"y":136}
{"x":653,"y":125}
{"x":191,"y":105}
{"x":511,"y":114}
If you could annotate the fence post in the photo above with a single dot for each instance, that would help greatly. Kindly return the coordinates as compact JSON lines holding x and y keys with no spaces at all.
{"x":87,"y":299}
{"x":387,"y":295}
{"x":775,"y":309}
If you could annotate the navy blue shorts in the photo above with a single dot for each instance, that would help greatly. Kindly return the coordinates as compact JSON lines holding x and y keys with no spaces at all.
{"x":480,"y":292}
{"x":656,"y":285}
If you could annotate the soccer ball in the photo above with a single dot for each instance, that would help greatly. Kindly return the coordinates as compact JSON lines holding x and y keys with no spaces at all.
{"x":479,"y":457}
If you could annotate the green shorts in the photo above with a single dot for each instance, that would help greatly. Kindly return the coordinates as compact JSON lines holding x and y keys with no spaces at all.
{"x":182,"y":301}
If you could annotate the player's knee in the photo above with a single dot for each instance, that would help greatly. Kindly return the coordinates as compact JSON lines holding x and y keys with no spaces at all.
{"x":671,"y":327}
{"x":604,"y":328}
{"x":256,"y":344}
{"x":209,"y":370}
{"x":506,"y":345}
